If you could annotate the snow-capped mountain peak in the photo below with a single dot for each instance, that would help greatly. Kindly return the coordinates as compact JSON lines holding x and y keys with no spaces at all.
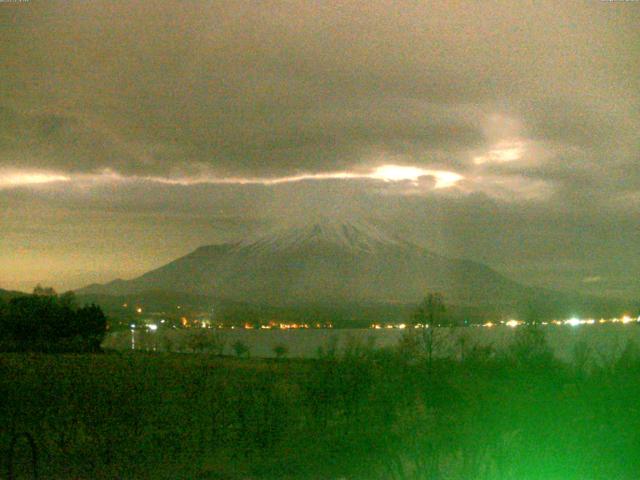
{"x":349,"y":235}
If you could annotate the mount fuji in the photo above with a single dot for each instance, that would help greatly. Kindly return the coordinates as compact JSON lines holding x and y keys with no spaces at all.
{"x":322,"y":262}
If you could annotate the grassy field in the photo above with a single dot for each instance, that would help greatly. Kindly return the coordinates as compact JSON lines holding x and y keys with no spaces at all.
{"x":384,"y":414}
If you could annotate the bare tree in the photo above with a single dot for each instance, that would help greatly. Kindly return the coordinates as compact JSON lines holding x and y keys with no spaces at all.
{"x":430,"y":314}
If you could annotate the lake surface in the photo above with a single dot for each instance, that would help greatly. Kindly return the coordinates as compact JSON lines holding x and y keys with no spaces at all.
{"x":604,"y":342}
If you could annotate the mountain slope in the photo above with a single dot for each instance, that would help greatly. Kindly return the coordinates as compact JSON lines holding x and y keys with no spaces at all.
{"x":323,"y":263}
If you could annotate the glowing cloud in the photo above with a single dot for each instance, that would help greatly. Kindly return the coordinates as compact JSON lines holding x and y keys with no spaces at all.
{"x":502,"y":152}
{"x":250,"y":180}
{"x":21,"y":179}
{"x":387,"y":173}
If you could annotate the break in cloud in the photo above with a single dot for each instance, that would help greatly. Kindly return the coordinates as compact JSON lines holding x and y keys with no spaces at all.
{"x":419,"y":113}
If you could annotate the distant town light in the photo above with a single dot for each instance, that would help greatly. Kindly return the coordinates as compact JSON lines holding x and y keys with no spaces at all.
{"x":153,"y":327}
{"x":139,"y":310}
{"x":574,"y":322}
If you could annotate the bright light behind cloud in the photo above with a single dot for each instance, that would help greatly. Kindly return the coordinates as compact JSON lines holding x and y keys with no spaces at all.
{"x":395,"y":173}
{"x":387,"y":173}
{"x":19,"y":179}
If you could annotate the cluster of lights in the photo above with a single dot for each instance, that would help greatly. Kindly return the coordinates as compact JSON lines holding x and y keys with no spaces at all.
{"x":202,"y":321}
{"x":281,"y":326}
{"x":152,"y":327}
{"x":186,"y":323}
{"x":573,"y":322}
{"x":272,"y":325}
{"x":513,"y":323}
{"x":399,"y":326}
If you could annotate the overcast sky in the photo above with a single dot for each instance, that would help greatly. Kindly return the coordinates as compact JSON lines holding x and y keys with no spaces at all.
{"x":505,"y":132}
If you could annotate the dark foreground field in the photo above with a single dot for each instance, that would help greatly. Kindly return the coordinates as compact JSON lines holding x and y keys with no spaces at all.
{"x":517,"y":414}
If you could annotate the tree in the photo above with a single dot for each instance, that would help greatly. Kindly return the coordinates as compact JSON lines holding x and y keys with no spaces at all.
{"x":430,"y":313}
{"x":240,"y":348}
{"x":198,"y":341}
{"x":280,"y":351}
{"x":530,"y":347}
{"x":41,"y":291}
{"x":68,"y":299}
{"x":431,"y":310}
{"x":45,"y":322}
{"x":91,"y":326}
{"x":217,"y":343}
{"x":4,"y":310}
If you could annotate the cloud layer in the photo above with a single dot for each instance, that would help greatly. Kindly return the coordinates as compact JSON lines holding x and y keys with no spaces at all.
{"x":530,"y":107}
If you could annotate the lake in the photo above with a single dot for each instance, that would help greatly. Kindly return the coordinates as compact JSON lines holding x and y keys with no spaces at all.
{"x":604,"y":342}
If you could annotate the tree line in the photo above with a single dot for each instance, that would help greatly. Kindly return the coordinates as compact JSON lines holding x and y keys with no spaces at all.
{"x":48,"y":322}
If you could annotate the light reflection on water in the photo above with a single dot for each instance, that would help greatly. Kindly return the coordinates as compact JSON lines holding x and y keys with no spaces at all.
{"x":604,"y":342}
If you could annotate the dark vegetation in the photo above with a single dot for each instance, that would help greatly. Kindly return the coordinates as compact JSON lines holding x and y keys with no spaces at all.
{"x":47,"y":322}
{"x":357,"y":414}
{"x":354,"y":412}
